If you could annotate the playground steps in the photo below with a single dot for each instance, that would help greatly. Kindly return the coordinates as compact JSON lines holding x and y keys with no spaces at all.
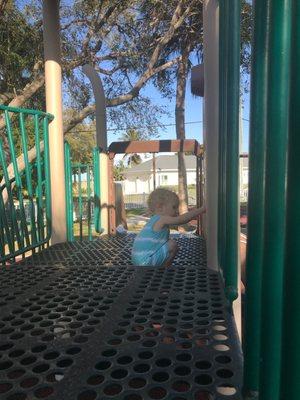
{"x":78,"y":322}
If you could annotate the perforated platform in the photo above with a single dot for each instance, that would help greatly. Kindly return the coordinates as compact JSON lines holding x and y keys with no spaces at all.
{"x":73,"y":326}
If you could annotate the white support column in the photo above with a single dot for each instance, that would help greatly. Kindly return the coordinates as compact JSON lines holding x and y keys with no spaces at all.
{"x":101,"y":140}
{"x":211,"y":125}
{"x":54,"y":106}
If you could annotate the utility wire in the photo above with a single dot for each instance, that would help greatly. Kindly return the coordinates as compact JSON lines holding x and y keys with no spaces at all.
{"x":139,"y":127}
{"x":142,"y":127}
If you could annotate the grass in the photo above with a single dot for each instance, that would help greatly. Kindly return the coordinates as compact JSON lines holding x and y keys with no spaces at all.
{"x":135,"y":211}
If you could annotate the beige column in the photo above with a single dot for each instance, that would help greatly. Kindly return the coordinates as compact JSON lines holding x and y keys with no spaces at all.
{"x":54,"y":106}
{"x":210,"y":127}
{"x":101,"y":140}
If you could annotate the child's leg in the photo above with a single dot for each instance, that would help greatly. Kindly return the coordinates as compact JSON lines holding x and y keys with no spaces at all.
{"x":173,"y":248}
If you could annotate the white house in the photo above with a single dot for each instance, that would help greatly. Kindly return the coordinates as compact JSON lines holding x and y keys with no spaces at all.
{"x":139,"y":178}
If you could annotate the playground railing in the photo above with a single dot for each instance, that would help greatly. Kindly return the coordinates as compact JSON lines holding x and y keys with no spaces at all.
{"x":25,"y":198}
{"x":82,"y":197}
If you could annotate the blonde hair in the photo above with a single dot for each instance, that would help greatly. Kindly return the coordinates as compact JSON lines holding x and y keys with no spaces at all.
{"x":161,"y":197}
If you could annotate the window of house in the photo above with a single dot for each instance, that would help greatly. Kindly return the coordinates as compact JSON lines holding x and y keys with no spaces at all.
{"x":164,"y":179}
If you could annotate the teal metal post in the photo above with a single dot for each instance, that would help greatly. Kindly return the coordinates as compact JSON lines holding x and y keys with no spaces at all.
{"x":47,"y":177}
{"x":223,"y":68}
{"x":96,"y":167}
{"x":232,"y":150}
{"x":28,"y":178}
{"x":251,"y":342}
{"x":69,"y":193}
{"x":290,"y":384}
{"x":40,"y":216}
{"x":275,"y":185}
{"x":80,"y":203}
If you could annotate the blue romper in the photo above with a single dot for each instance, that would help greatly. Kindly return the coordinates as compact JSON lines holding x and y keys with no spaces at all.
{"x":151,"y":247}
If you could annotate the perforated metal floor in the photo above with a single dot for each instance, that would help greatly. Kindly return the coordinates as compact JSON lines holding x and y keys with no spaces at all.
{"x":74,"y":326}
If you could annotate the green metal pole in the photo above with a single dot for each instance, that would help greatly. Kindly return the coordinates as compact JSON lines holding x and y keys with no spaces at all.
{"x":80,"y":202}
{"x":89,"y":202}
{"x":47,"y":177}
{"x":232,"y":150}
{"x":69,"y":193}
{"x":257,"y":150}
{"x":40,"y":216}
{"x":223,"y":67}
{"x":275,"y":184}
{"x":28,"y":178}
{"x":290,"y":385}
{"x":96,"y":166}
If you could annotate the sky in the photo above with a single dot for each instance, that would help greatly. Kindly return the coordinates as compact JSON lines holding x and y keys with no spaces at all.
{"x":193,"y":116}
{"x":193,"y":112}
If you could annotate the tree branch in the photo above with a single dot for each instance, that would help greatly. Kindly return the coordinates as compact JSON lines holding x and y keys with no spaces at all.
{"x":134,"y":92}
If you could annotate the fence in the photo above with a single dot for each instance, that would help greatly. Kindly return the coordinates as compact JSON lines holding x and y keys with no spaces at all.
{"x":82,"y":197}
{"x":25,"y":203}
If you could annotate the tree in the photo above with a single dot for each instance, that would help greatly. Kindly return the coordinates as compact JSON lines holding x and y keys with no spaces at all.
{"x":188,"y":41}
{"x":129,"y":136}
{"x":125,"y":48}
{"x":119,"y":170}
{"x":82,"y":142}
{"x":129,"y":42}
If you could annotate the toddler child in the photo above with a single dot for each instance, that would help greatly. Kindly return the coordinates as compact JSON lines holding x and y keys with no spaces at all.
{"x":153,"y":246}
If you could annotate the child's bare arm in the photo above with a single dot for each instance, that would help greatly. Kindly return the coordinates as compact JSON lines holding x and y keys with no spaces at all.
{"x":180,"y":219}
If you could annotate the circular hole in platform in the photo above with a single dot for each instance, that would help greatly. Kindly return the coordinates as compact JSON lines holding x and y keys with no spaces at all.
{"x":95,"y":380}
{"x":51,"y":355}
{"x":133,"y":396}
{"x":146,"y":355}
{"x":203,"y":395}
{"x":112,"y":389}
{"x":5,"y":365}
{"x":5,"y":387}
{"x":203,"y":379}
{"x":29,"y":382}
{"x":225,"y":373}
{"x":223,"y":359}
{"x":181,"y":386}
{"x":40,"y":368}
{"x":119,"y":374}
{"x":163,"y":362}
{"x":17,"y":396}
{"x":221,"y":347}
{"x":55,"y":376}
{"x":182,"y":370}
{"x":109,"y":353}
{"x":15,"y":374}
{"x":137,"y":383}
{"x":226,"y":390}
{"x":124,"y":360}
{"x":184,"y":357}
{"x":39,"y":348}
{"x":203,"y":364}
{"x":64,"y":363}
{"x":160,"y":376}
{"x":43,"y":392}
{"x":87,"y":395}
{"x":141,"y":368}
{"x":103,"y":365}
{"x":157,"y":393}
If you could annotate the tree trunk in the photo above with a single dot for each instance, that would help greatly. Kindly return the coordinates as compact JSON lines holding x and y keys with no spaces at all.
{"x":180,"y":128}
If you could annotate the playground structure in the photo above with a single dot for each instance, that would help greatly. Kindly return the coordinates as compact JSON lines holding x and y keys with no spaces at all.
{"x":79,"y":322}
